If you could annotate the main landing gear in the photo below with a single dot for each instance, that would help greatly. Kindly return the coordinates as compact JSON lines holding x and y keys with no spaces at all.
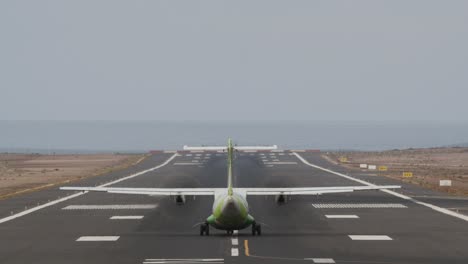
{"x":256,"y":229}
{"x":204,"y":229}
{"x":230,"y":232}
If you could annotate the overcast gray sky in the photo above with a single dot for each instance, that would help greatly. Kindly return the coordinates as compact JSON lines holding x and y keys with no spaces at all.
{"x":236,"y":60}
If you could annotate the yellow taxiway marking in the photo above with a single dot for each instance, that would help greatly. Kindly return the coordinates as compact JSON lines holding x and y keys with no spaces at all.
{"x":246,"y":246}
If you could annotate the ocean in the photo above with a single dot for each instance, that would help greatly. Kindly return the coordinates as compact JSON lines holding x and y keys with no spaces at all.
{"x":141,"y":136}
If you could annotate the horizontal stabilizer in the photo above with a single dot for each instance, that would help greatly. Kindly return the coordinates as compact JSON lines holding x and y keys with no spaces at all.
{"x":221,"y":148}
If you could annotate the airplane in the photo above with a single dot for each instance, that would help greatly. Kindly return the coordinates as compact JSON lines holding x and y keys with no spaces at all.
{"x":230,"y":208}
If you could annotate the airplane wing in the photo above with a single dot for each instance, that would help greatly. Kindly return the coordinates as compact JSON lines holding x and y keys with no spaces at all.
{"x":244,"y":191}
{"x":311,"y":190}
{"x":149,"y":191}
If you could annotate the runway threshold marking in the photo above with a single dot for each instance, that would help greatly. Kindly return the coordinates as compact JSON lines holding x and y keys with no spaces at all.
{"x":111,"y":207}
{"x":97,"y":238}
{"x":126,"y":217}
{"x":370,"y":237}
{"x":402,"y":196}
{"x":34,"y":209}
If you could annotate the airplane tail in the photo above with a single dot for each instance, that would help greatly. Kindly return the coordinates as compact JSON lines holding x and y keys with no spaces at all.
{"x":230,"y":148}
{"x":230,"y":151}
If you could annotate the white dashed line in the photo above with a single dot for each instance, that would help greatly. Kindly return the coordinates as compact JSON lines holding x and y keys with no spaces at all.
{"x":235,"y":241}
{"x":126,"y":217}
{"x":321,"y":260}
{"x":182,"y":261}
{"x":234,"y":252}
{"x":341,"y":216}
{"x":97,"y":238}
{"x":359,"y":206}
{"x":433,"y":207}
{"x":26,"y":212}
{"x":282,"y":163}
{"x":186,"y":163}
{"x":111,"y":207}
{"x":236,"y":232}
{"x":369,"y":237}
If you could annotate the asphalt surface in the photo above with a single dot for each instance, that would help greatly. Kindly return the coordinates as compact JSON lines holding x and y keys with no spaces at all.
{"x":296,"y":232}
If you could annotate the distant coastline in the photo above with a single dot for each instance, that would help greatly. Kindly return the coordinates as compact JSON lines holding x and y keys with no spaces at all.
{"x":87,"y":137}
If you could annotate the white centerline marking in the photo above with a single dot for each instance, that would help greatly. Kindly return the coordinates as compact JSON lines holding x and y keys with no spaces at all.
{"x":126,"y":217}
{"x":321,"y":260}
{"x":341,"y":216}
{"x":234,"y":252}
{"x":97,"y":238}
{"x":236,"y":232}
{"x":110,"y":207}
{"x":235,"y":241}
{"x":369,"y":237}
{"x":433,"y":207}
{"x":26,"y":212}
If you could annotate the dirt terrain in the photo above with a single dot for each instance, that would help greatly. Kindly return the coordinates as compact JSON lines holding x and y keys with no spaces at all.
{"x":427,"y":165}
{"x":21,"y":173}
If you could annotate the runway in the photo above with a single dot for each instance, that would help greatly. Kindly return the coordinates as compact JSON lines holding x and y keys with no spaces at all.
{"x":359,"y":227}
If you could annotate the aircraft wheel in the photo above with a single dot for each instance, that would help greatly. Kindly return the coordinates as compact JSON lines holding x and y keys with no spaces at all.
{"x":256,"y":229}
{"x":204,"y":229}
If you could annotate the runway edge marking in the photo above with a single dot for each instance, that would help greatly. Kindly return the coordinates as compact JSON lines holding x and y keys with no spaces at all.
{"x":37,"y":208}
{"x":433,"y":207}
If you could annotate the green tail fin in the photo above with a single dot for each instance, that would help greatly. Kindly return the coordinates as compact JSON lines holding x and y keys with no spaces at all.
{"x":230,"y":151}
